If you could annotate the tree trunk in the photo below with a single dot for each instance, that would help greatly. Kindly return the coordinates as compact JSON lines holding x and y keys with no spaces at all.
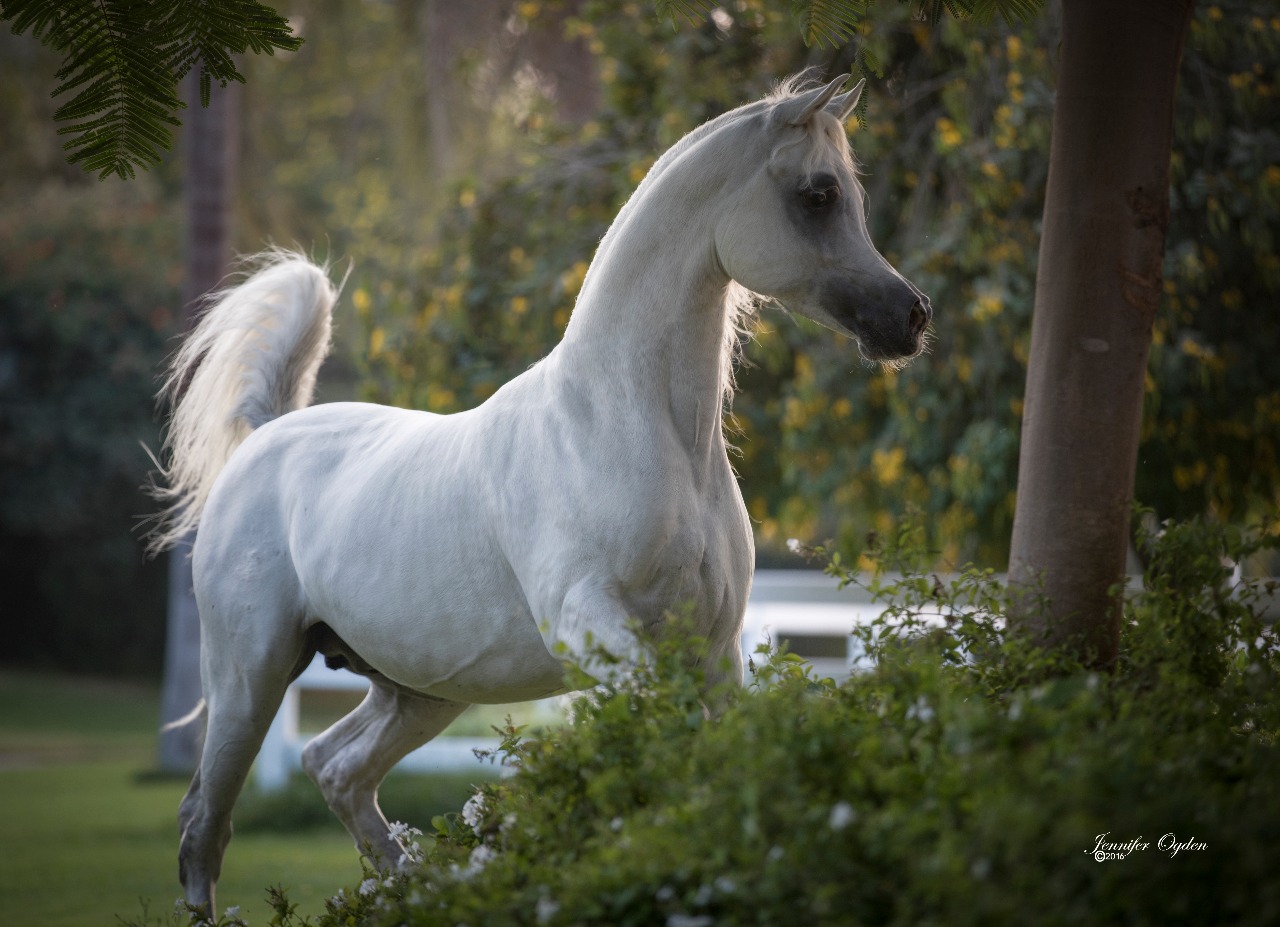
{"x":1097,"y":290}
{"x":212,"y":154}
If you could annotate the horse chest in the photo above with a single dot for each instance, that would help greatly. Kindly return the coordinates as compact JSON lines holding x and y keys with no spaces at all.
{"x":678,"y":545}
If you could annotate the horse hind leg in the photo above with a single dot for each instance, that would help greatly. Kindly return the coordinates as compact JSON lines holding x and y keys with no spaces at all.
{"x":241,"y":701}
{"x":349,"y":760}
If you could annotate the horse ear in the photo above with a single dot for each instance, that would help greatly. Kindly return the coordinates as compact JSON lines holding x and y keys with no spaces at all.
{"x":806,"y":104}
{"x":842,"y":106}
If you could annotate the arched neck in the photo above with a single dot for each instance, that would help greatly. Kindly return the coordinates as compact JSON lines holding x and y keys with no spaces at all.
{"x":651,"y":322}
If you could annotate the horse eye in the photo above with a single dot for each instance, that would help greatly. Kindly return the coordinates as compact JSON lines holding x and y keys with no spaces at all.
{"x":820,"y":199}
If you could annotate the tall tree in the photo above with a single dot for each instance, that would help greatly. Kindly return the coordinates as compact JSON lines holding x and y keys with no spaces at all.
{"x":212,"y":153}
{"x":1098,"y":287}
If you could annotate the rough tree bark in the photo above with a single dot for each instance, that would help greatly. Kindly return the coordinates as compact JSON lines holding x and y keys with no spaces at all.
{"x":211,"y":137}
{"x":1098,"y":287}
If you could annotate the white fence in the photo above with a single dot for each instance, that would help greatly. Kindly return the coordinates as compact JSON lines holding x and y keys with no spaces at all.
{"x":802,"y":608}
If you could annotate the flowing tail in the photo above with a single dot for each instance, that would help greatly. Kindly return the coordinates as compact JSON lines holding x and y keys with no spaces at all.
{"x":253,"y":357}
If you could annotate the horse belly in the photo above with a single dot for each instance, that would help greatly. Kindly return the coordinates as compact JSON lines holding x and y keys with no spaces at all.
{"x":449,"y":622}
{"x":478,"y":656}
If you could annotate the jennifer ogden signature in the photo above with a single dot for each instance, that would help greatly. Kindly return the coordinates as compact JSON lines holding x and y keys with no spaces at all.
{"x":1104,"y":849}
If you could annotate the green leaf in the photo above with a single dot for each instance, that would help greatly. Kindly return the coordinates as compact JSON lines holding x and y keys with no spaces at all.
{"x":694,"y":11}
{"x":123,"y":61}
{"x":830,"y":22}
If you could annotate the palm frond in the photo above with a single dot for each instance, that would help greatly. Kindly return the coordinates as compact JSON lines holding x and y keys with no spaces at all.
{"x":694,"y":11}
{"x":1011,"y":11}
{"x":122,"y":60}
{"x":121,"y":99}
{"x":209,"y":34}
{"x":830,"y":22}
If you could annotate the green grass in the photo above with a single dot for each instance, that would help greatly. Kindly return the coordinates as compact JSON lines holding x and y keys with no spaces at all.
{"x":88,"y":835}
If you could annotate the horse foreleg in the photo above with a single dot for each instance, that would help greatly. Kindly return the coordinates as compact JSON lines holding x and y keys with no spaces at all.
{"x":722,"y":676}
{"x":596,"y":633}
{"x":350,"y":759}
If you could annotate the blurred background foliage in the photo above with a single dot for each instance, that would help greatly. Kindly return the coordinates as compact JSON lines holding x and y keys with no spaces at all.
{"x":954,"y":147}
{"x":466,"y":159}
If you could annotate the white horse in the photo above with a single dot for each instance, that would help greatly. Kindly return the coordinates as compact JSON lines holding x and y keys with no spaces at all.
{"x":459,"y":559}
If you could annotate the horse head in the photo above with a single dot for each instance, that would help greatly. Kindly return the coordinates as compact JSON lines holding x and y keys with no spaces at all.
{"x":798,"y":231}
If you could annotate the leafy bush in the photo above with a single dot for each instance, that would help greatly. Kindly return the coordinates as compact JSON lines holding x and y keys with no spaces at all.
{"x":88,"y":301}
{"x":299,"y":806}
{"x":963,"y":778}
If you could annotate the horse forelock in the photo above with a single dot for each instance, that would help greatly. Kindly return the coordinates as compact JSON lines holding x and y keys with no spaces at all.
{"x":825,"y":145}
{"x":825,"y":134}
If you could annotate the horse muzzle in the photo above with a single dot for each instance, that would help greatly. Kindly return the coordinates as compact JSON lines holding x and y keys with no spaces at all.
{"x":888,"y":319}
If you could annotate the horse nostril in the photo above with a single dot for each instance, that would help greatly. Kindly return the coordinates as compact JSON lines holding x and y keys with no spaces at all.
{"x":917,"y":319}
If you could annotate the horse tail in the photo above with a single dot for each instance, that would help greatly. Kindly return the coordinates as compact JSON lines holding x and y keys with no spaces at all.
{"x":189,"y":718}
{"x":252,"y":357}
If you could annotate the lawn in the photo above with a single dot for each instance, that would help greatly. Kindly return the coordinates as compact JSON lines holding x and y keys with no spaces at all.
{"x":89,"y":834}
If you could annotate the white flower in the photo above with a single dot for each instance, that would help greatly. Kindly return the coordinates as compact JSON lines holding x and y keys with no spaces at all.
{"x":232,"y":912}
{"x":615,"y":825}
{"x":921,"y":710}
{"x":689,"y":920}
{"x":473,"y":812}
{"x":399,"y":829}
{"x":842,"y":815}
{"x":403,"y":836}
{"x":368,"y":886}
{"x":546,"y":909}
{"x":794,"y":545}
{"x":479,"y":858}
{"x":725,"y":885}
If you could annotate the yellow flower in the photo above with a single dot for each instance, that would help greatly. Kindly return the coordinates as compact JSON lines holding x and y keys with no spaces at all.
{"x":948,"y":134}
{"x":986,"y":307}
{"x":888,"y":465}
{"x":572,"y":278}
{"x":439,"y":397}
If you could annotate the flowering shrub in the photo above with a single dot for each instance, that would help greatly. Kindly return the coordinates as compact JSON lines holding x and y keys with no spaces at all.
{"x":963,"y":778}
